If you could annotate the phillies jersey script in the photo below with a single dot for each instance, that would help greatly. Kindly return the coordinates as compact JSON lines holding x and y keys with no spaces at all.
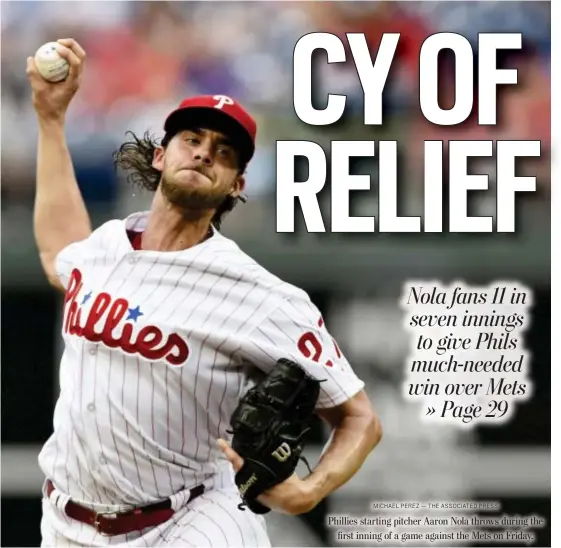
{"x":159,"y":346}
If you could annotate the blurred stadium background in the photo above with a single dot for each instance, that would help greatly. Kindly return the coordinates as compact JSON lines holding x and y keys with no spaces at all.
{"x":143,"y":57}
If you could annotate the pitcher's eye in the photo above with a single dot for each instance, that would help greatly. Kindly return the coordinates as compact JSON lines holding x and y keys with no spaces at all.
{"x":225,"y":151}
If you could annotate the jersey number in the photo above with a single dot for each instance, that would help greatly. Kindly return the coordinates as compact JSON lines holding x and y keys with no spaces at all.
{"x":311,"y":347}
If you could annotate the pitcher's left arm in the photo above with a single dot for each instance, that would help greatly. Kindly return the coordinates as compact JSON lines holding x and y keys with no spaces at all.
{"x":356,"y":431}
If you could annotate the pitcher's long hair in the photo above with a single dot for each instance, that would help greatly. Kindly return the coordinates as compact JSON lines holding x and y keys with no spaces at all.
{"x":135,"y":158}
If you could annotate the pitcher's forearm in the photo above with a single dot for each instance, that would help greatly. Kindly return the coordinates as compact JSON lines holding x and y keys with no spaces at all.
{"x":350,"y":443}
{"x":60,"y":215}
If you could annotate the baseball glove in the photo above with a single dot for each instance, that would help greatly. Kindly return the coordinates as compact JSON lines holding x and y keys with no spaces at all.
{"x":269,"y":427}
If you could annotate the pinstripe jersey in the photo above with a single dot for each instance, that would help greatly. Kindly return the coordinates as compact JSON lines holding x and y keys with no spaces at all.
{"x":159,"y":346}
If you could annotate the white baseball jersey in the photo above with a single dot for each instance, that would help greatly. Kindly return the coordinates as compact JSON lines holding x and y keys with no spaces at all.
{"x":159,"y":346}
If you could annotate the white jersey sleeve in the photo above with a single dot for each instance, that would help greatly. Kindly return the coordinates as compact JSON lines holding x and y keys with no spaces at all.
{"x":296,"y":330}
{"x":69,"y":258}
{"x":95,"y":248}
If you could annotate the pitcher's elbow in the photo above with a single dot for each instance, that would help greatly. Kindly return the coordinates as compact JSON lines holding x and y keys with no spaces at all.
{"x":375,"y":429}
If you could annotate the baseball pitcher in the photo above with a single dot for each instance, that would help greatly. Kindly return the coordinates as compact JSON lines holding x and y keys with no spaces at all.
{"x":163,"y":433}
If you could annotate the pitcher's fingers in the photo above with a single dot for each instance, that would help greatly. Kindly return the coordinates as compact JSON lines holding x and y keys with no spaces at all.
{"x":31,"y":69}
{"x":71,"y":44}
{"x":73,"y":61}
{"x":233,"y":457}
{"x":69,"y":55}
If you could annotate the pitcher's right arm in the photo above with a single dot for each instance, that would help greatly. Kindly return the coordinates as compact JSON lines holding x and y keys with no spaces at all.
{"x":60,"y":214}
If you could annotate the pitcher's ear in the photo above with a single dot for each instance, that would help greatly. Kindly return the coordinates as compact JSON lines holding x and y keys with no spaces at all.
{"x":238,"y":187}
{"x":158,"y":160}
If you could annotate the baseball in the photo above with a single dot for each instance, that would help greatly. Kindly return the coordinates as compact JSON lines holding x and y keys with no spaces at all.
{"x":50,"y":64}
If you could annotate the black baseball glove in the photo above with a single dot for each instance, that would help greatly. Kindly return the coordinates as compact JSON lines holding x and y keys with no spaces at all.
{"x":269,"y":427}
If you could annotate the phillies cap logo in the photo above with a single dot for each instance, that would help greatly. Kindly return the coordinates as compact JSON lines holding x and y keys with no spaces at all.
{"x":222,"y":100}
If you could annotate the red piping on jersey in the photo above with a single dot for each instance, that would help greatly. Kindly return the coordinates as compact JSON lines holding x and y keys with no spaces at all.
{"x":135,"y":239}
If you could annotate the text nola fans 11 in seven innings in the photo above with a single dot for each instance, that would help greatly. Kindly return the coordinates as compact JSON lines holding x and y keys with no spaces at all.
{"x":373,"y":75}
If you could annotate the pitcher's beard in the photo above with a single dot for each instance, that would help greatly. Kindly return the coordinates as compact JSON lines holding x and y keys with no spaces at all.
{"x":190,"y":200}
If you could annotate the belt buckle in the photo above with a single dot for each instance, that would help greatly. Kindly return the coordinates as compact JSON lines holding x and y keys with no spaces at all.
{"x":96,"y":523}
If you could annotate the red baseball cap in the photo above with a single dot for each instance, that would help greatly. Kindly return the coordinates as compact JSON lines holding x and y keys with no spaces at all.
{"x":217,"y":112}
